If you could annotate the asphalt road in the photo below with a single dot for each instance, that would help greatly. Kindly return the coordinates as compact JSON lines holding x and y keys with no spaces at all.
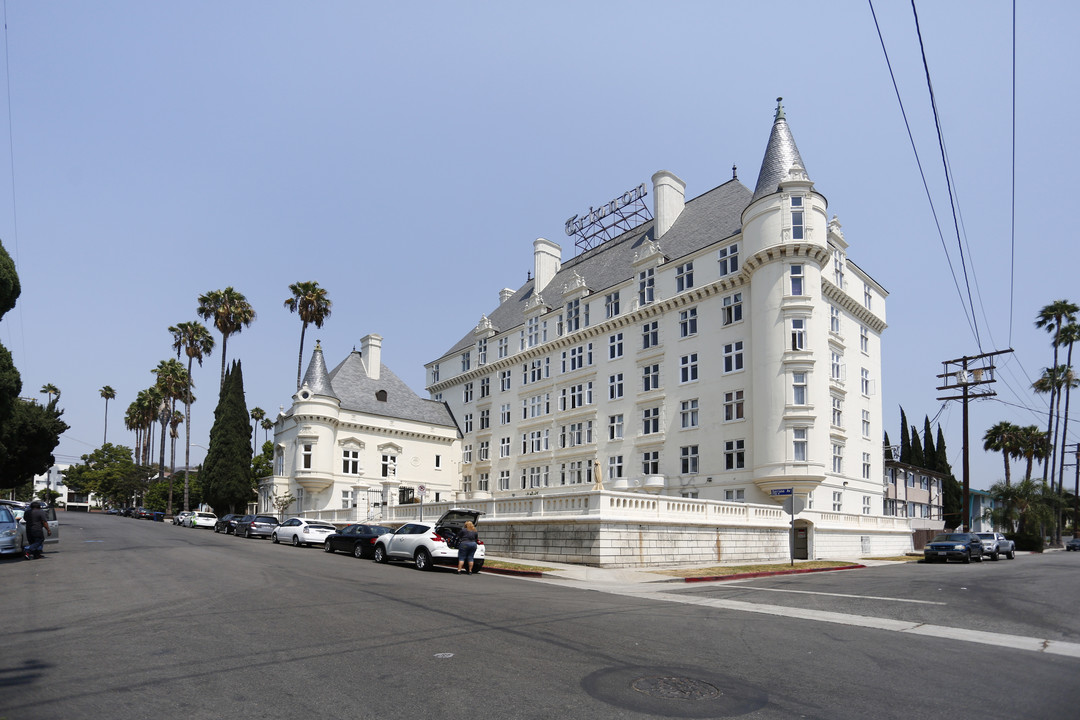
{"x":133,"y":619}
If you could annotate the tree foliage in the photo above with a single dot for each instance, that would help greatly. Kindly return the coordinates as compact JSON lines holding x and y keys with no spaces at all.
{"x":905,"y":439}
{"x":28,"y":437}
{"x":110,"y":473}
{"x":226,"y":476}
{"x":312,"y":304}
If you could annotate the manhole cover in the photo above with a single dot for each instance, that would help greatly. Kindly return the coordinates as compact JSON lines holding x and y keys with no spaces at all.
{"x":676,"y":688}
{"x":675,"y":692}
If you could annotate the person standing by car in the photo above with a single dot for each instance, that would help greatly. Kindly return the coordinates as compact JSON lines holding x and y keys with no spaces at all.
{"x":467,"y":540}
{"x":37,"y":525}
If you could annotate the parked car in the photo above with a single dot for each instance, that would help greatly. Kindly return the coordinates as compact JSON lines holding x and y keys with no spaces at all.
{"x":954,"y":546}
{"x":227,"y":523}
{"x":301,"y":531}
{"x":255,"y":526}
{"x":202,"y":519}
{"x":180,"y":517}
{"x":995,"y":544}
{"x":18,"y":509}
{"x":1072,"y":544}
{"x":358,"y":539}
{"x":143,"y":513}
{"x":9,"y":532}
{"x":430,"y":543}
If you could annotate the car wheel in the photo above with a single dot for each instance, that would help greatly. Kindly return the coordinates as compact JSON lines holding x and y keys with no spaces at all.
{"x":247,"y":533}
{"x":295,"y":541}
{"x":478,"y":566}
{"x":358,"y":551}
{"x":216,"y":529}
{"x":380,"y":554}
{"x":981,"y":557}
{"x":967,"y":558}
{"x":994,"y":557}
{"x":273,"y":538}
{"x":422,"y":559}
{"x":1011,"y":554}
{"x":327,"y":547}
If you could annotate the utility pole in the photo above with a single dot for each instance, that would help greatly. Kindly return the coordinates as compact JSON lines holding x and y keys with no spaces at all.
{"x":964,"y":374}
{"x":1076,"y":492}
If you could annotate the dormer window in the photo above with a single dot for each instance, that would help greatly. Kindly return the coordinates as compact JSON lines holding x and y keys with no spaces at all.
{"x":646,"y":285}
{"x":728,"y":257}
{"x":380,"y":395}
{"x":796,"y":218}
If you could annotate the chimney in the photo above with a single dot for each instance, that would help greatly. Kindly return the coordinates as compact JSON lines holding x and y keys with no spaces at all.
{"x":669,"y":199}
{"x":547,"y":259}
{"x":505,"y":294}
{"x":371,"y":352}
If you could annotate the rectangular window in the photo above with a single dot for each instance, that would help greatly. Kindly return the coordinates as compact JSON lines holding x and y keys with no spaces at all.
{"x":837,"y":458}
{"x":435,"y":373}
{"x":650,"y":462}
{"x":799,"y":447}
{"x":467,"y":392}
{"x":615,"y":427}
{"x":307,"y":457}
{"x":389,"y":466}
{"x":688,"y":412}
{"x":798,"y":388}
{"x":688,"y":322}
{"x":684,"y":277}
{"x":504,"y":380}
{"x":574,"y":316}
{"x":732,"y":308}
{"x":733,"y":405}
{"x":650,"y":421}
{"x":504,"y":447}
{"x":485,"y":419}
{"x":866,"y":423}
{"x":485,"y":387}
{"x":481,"y":351}
{"x":729,"y":259}
{"x":350,"y":462}
{"x":504,"y":479}
{"x":864,"y":339}
{"x":837,"y":411}
{"x":482,"y":482}
{"x":796,"y":279}
{"x":532,"y":326}
{"x":733,"y":357}
{"x":504,"y":414}
{"x":796,"y":218}
{"x":735,"y":494}
{"x":689,"y":459}
{"x":615,"y":386}
{"x":466,"y":362}
{"x":834,"y":319}
{"x":614,"y":467}
{"x":734,"y":454}
{"x":615,"y":346}
{"x":611,"y":304}
{"x":504,"y":347}
{"x":836,"y":367}
{"x":484,"y":452}
{"x":866,"y":466}
{"x":865,"y":504}
{"x":650,"y":377}
{"x":466,"y":453}
{"x":837,"y":501}
{"x":864,"y":381}
{"x":798,"y":334}
{"x":646,"y":287}
{"x":650,"y":335}
{"x":468,"y":422}
{"x":688,"y":368}
{"x":867,"y":296}
{"x":838,"y":269}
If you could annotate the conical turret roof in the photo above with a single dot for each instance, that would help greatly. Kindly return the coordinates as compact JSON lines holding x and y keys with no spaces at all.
{"x":780,"y":156}
{"x":317,"y":379}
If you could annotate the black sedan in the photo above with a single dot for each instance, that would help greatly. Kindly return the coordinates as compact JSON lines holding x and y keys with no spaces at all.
{"x":227,"y":523}
{"x":954,"y":546}
{"x":358,"y":539}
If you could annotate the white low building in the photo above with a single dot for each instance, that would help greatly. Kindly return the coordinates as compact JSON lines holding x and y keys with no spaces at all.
{"x":357,"y":440}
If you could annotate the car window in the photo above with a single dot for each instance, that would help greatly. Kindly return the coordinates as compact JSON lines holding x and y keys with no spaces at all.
{"x":350,"y":530}
{"x":986,"y":536}
{"x":331,"y":528}
{"x":5,"y":515}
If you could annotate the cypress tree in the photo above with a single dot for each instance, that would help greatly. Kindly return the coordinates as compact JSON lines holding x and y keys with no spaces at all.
{"x":952,"y":493}
{"x":915,"y":456}
{"x":928,"y":452}
{"x":888,"y":448}
{"x":226,"y":474}
{"x":941,"y":461}
{"x":905,"y":439}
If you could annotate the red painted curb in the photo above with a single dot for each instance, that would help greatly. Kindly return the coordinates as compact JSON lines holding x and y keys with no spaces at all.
{"x":714,"y":578}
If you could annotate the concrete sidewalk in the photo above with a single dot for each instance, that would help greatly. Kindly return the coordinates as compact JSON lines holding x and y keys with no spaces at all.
{"x":632,"y":576}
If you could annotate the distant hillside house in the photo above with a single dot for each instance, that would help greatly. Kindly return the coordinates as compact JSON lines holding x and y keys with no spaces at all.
{"x":357,"y":439}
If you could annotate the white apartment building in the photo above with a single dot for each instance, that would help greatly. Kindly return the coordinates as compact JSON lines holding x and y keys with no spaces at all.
{"x":357,"y":440}
{"x":724,"y":349}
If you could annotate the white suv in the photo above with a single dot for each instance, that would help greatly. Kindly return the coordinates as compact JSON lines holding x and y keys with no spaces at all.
{"x":430,"y":543}
{"x":995,"y":544}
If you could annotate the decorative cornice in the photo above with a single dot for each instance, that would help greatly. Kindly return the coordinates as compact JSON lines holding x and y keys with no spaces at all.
{"x":857,"y":310}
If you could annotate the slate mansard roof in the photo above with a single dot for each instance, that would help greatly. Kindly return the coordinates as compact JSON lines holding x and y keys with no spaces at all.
{"x":707,"y":219}
{"x":350,"y":384}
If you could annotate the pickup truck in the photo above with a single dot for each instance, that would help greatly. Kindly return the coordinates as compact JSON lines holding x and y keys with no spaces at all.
{"x":995,"y":544}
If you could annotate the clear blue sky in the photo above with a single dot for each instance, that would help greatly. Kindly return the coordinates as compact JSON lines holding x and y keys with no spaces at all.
{"x":406,"y":155}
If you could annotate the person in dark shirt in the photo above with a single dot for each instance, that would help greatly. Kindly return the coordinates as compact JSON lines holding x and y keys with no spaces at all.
{"x":37,"y":525}
{"x":467,"y":540}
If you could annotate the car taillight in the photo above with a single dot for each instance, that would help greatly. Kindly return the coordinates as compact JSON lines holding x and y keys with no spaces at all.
{"x":436,"y":537}
{"x":479,"y":542}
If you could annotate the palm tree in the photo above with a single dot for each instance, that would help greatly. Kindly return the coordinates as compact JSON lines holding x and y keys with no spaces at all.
{"x":1032,"y":445}
{"x":311,"y":303}
{"x":1069,"y":335}
{"x":108,"y":393}
{"x":50,"y":390}
{"x":257,"y":414}
{"x":1052,"y":318}
{"x":267,"y":426}
{"x":1030,"y":502}
{"x":194,"y":340}
{"x":230,"y":312}
{"x":175,"y":421}
{"x":1003,"y":438}
{"x":172,"y":382}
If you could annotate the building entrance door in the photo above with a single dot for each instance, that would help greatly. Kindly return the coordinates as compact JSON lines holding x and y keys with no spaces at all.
{"x":802,"y":540}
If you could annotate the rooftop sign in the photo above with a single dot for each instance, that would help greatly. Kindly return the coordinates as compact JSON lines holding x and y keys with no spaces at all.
{"x":611,"y":219}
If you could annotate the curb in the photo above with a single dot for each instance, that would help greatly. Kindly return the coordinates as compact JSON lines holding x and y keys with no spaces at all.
{"x":516,"y":573}
{"x":740,"y":576}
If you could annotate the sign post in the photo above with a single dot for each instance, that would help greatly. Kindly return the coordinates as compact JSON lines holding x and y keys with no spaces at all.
{"x":790,"y":502}
{"x":420,"y":491}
